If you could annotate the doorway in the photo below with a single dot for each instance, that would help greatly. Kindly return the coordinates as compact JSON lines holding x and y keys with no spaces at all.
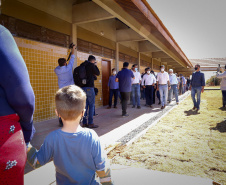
{"x":106,"y":72}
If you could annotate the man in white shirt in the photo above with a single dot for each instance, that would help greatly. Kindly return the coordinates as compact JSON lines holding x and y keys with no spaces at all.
{"x":136,"y":87}
{"x":174,"y":86}
{"x":148,"y":83}
{"x":163,"y":85}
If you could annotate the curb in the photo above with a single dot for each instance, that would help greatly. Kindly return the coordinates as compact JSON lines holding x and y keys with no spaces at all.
{"x":156,"y":121}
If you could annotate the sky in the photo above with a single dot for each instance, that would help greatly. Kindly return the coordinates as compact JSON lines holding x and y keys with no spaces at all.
{"x":198,"y":26}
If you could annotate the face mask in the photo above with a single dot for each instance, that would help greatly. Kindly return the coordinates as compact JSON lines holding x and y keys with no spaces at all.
{"x":136,"y":69}
{"x":148,"y":72}
{"x":196,"y":68}
{"x":114,"y":72}
{"x":162,"y":69}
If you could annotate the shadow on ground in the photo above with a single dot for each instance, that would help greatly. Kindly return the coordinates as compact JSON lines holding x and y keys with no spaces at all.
{"x":221,"y":127}
{"x":223,"y":108}
{"x":191,"y":112}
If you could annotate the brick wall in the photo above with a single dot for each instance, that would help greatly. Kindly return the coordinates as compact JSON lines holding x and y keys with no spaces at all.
{"x":41,"y":60}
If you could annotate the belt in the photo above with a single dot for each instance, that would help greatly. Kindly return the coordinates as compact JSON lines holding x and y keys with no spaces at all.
{"x":162,"y":84}
{"x":135,"y":84}
{"x":148,"y":85}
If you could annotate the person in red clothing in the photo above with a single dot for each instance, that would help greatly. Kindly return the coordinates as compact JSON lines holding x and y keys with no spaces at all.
{"x":16,"y":110}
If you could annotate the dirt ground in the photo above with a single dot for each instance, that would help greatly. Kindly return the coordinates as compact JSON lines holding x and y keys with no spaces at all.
{"x":183,"y":142}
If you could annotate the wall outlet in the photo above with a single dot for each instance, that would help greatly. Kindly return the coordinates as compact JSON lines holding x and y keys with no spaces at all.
{"x":100,"y":81}
{"x":100,"y":98}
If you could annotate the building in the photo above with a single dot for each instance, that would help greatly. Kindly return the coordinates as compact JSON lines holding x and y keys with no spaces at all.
{"x":114,"y":31}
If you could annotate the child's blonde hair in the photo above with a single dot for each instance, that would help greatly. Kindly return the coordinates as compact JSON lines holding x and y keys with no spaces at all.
{"x":70,"y":102}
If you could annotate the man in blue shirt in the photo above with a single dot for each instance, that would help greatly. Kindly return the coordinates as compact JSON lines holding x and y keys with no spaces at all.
{"x":113,"y":87}
{"x":197,"y":86}
{"x":64,"y":71}
{"x":124,"y":77}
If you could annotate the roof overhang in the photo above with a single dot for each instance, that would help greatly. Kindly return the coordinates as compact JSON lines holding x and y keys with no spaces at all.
{"x":140,"y":17}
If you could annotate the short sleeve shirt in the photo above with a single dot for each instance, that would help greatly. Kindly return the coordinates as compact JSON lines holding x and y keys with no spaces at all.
{"x":125,"y":80}
{"x":162,"y":78}
{"x":76,"y":156}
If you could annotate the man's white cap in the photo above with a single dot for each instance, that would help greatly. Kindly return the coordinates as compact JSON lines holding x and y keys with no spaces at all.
{"x":170,"y":70}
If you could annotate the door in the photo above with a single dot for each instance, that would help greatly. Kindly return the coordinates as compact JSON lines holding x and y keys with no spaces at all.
{"x":106,"y":72}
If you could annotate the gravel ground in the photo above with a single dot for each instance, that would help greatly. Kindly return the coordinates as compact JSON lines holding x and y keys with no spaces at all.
{"x":183,"y":142}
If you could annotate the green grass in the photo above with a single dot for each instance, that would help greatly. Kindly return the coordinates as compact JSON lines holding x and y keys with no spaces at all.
{"x":184,"y":142}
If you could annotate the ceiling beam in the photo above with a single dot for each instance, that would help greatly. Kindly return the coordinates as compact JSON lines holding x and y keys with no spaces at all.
{"x":168,"y":60}
{"x":126,"y":35}
{"x":159,"y":54}
{"x":146,"y":46}
{"x":89,"y":12}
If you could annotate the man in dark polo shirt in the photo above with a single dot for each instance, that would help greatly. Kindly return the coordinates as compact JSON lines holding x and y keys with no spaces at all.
{"x":124,"y":77}
{"x":197,"y":86}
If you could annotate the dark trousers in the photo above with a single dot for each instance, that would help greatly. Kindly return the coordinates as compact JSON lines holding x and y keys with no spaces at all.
{"x":124,"y":98}
{"x":149,"y":94}
{"x":224,"y":97}
{"x":154,"y":91}
{"x":111,"y":93}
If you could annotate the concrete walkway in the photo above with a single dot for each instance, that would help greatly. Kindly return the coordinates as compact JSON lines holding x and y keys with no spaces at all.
{"x":123,"y":175}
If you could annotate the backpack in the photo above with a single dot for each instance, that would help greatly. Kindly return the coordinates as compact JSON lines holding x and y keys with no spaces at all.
{"x":79,"y":76}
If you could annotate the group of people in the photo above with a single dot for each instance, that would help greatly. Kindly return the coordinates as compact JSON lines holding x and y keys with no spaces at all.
{"x":76,"y":151}
{"x":131,"y":85}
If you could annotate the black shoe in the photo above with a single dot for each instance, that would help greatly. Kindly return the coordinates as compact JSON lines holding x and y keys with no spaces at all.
{"x":151,"y":106}
{"x":115,"y":107}
{"x":92,"y":126}
{"x":162,"y":107}
{"x":133,"y":106}
{"x":125,"y":115}
{"x":85,"y":125}
{"x":159,"y":103}
{"x":138,"y":107}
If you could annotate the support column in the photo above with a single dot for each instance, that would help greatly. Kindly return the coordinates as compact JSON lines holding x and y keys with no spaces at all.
{"x":152,"y":63}
{"x":138,"y":57}
{"x":117,"y":56}
{"x":74,"y":40}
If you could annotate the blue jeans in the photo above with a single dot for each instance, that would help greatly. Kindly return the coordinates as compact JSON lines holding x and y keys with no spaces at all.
{"x":142,"y":94}
{"x":90,"y":103}
{"x":163,"y":90}
{"x":114,"y":92}
{"x":196,"y":90}
{"x":135,"y":94}
{"x":172,"y":91}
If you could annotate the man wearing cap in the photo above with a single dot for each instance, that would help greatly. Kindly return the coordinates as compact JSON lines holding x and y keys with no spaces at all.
{"x":163,"y":85}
